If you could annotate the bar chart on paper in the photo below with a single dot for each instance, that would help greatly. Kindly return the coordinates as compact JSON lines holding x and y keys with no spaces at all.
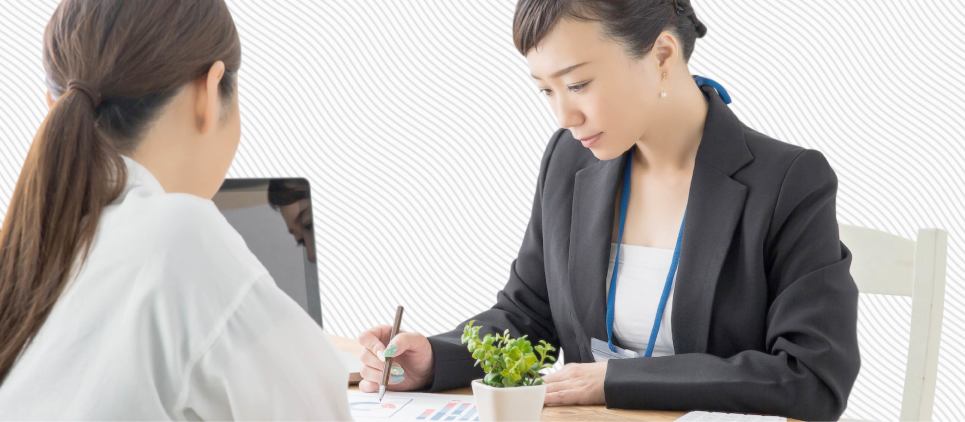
{"x":453,"y":411}
{"x":412,"y":407}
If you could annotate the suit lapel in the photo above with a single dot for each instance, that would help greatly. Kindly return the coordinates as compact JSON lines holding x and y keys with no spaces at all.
{"x":713,"y":212}
{"x":594,"y":191}
{"x":714,"y":209}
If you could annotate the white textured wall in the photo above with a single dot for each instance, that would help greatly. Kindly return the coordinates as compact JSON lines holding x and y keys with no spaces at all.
{"x":421,"y":132}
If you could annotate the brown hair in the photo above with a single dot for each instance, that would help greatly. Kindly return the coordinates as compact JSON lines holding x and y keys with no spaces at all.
{"x":113,"y":64}
{"x":635,"y":23}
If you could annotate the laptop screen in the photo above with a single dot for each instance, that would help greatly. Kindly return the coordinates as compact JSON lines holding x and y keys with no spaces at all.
{"x":274,"y":216}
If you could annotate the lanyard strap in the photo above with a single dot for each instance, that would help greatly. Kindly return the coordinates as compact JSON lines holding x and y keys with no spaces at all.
{"x":611,"y":294}
{"x":624,"y":201}
{"x":702,"y":81}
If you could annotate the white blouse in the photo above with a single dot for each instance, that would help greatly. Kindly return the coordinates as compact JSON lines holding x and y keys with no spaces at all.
{"x":641,"y":278}
{"x":172,"y":317}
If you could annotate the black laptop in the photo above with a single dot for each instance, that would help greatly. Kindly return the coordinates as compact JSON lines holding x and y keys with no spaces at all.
{"x":274,"y":216}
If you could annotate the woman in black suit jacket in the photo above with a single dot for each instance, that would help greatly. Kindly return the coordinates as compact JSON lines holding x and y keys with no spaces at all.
{"x":764,"y":308}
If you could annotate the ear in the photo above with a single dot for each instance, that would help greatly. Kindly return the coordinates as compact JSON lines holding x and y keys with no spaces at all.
{"x":208,"y":105}
{"x":50,"y":100}
{"x":665,"y":49}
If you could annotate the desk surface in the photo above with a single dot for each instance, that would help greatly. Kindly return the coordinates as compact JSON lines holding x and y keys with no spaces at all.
{"x":563,"y":413}
{"x":588,"y":413}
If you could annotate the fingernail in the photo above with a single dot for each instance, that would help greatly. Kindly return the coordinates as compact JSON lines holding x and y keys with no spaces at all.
{"x":390,"y":351}
{"x":395,"y":379}
{"x":396,"y":370}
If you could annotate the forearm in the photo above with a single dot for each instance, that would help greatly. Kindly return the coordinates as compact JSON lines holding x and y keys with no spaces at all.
{"x":749,"y":382}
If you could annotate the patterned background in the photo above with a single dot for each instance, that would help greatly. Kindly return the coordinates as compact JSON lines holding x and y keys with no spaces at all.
{"x":421,"y":131}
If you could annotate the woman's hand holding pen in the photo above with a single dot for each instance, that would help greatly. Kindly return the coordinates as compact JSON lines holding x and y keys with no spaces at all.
{"x":576,"y":384}
{"x":411,"y":360}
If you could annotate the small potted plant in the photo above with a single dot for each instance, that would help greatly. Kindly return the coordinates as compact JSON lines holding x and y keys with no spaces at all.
{"x":513,"y":388}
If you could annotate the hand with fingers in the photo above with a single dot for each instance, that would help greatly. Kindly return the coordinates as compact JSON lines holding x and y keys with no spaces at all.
{"x":576,"y":384}
{"x":411,"y":360}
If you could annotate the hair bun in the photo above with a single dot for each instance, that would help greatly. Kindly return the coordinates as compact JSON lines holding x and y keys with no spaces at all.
{"x":684,"y":8}
{"x":699,"y":26}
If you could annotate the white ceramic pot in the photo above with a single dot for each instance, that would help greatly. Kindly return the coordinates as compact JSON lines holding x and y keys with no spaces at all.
{"x":508,"y":404}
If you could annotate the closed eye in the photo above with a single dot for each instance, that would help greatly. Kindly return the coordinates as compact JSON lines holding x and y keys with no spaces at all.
{"x":578,"y":86}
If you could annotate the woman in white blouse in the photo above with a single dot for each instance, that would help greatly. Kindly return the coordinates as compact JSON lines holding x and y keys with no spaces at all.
{"x":124,"y":294}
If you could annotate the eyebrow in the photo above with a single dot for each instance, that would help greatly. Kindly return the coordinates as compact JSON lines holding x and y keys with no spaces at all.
{"x":563,"y":71}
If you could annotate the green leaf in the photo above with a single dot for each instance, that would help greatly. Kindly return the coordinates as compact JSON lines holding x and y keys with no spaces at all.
{"x":507,"y":361}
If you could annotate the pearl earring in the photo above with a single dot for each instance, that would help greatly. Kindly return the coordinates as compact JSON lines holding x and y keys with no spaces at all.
{"x":663,"y":91}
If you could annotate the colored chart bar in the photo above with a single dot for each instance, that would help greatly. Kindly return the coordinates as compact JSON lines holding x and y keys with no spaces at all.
{"x":454,"y":410}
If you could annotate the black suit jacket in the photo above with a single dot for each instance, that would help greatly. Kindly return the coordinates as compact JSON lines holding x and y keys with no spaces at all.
{"x":765,"y":310}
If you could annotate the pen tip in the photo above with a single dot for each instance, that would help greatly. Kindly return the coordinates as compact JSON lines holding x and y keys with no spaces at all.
{"x":381,"y":392}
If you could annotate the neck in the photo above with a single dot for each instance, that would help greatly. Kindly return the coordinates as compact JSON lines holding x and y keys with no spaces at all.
{"x":165,"y":152}
{"x":672,"y":146}
{"x":167,"y":168}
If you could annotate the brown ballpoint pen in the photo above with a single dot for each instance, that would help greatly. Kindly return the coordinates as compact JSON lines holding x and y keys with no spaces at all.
{"x":388,"y":361}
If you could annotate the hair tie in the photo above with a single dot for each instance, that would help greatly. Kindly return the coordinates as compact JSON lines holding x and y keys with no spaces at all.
{"x":84,"y":88}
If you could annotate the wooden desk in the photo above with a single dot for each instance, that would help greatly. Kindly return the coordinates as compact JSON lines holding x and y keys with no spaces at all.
{"x":562,"y":413}
{"x":588,"y":413}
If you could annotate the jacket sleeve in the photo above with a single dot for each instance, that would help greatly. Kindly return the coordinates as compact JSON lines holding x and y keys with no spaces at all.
{"x":811,"y":356}
{"x":522,"y":306}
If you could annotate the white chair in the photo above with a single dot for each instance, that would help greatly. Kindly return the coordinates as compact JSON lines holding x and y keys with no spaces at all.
{"x":892,"y":265}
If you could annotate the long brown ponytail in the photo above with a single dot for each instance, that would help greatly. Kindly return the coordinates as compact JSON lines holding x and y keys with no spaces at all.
{"x":113,"y":65}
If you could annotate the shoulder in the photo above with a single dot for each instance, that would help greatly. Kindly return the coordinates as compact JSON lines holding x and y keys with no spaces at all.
{"x":770,"y":150}
{"x":183,"y":239}
{"x":786,"y":179}
{"x":784,"y":164}
{"x":198,"y":233}
{"x":176,"y":264}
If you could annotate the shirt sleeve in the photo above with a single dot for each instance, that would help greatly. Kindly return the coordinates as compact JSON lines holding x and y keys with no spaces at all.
{"x":268,"y":361}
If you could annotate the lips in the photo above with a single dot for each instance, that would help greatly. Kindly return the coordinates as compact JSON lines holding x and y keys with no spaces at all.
{"x":589,"y":141}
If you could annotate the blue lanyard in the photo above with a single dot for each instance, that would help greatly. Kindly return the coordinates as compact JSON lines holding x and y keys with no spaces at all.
{"x":624,"y":201}
{"x":611,"y":295}
{"x":701,"y":81}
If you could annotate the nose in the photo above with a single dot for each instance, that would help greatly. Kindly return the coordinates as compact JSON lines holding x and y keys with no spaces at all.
{"x":567,"y":114}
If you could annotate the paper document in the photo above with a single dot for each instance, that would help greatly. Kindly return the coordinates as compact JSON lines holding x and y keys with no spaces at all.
{"x":412,"y":407}
{"x":727,"y":417}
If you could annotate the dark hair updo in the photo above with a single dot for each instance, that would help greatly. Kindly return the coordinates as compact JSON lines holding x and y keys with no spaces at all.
{"x":635,"y":23}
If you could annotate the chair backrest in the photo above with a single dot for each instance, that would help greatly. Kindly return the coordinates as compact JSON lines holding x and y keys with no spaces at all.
{"x":891,"y":265}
